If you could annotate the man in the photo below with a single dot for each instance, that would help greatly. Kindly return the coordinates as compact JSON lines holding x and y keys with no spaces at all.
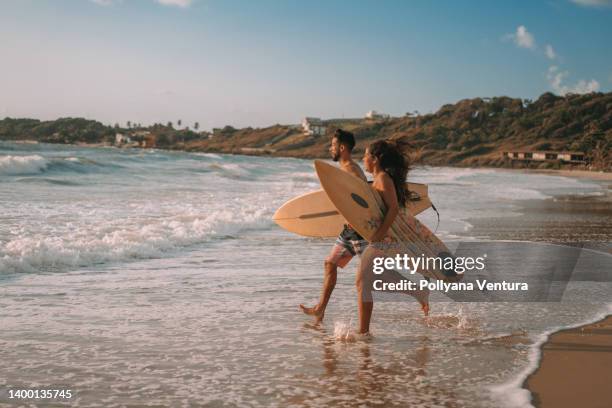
{"x":349,"y":243}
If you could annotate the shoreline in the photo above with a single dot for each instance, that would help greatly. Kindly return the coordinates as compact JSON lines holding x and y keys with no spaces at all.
{"x":574,"y":367}
{"x":570,"y":364}
{"x":578,"y":174}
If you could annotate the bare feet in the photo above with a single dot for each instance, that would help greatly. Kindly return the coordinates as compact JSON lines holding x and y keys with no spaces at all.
{"x":313,"y":311}
{"x":425,"y":308}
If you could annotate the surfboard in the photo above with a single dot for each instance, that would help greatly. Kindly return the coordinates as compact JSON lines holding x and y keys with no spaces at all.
{"x":314,"y":215}
{"x":364,"y":208}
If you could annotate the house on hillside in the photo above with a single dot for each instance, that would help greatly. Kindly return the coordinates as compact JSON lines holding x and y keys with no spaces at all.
{"x":121,"y":139}
{"x":565,"y":157}
{"x":376,"y":115}
{"x":313,"y":126}
{"x":141,"y":133}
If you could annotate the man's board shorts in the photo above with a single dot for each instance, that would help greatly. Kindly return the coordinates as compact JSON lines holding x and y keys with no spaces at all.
{"x":348,"y":244}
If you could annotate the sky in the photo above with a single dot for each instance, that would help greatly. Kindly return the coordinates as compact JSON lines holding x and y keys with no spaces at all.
{"x":258,"y":63}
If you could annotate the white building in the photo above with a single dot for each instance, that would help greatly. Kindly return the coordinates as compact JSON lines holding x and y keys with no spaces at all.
{"x":120,"y":138}
{"x":313,"y":126}
{"x":376,"y":115}
{"x":568,"y":157}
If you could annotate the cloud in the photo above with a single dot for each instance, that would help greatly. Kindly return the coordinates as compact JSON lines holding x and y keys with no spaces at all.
{"x":522,"y":38}
{"x":593,"y":3}
{"x":556,"y":78}
{"x":177,"y":3}
{"x":550,"y":52}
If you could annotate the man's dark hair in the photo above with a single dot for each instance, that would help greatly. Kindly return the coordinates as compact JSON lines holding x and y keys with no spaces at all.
{"x":345,"y":138}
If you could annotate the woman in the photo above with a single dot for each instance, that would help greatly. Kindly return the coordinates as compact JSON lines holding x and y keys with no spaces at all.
{"x":387,"y":163}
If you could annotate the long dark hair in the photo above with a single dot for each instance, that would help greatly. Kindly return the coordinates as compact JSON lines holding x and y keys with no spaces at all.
{"x":391,"y":157}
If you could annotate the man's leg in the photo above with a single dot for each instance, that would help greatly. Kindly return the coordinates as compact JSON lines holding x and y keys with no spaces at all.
{"x":329,"y":283}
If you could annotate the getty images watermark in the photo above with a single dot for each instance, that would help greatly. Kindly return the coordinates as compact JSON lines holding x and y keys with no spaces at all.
{"x":504,"y":271}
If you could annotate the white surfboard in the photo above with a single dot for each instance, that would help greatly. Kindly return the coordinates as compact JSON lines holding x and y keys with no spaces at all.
{"x":314,"y":215}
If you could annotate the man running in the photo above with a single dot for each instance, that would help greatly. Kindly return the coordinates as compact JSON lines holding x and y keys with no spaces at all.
{"x":349,"y":243}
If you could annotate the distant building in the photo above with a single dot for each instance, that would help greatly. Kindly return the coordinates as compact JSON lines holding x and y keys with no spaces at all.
{"x":313,"y":126}
{"x":566,"y":157}
{"x":376,"y":115}
{"x":120,"y":139}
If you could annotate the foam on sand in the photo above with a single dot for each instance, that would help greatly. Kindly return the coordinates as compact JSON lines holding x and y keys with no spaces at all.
{"x":511,"y":394}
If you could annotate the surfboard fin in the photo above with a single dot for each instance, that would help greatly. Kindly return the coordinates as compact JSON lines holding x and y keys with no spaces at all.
{"x":436,"y":210}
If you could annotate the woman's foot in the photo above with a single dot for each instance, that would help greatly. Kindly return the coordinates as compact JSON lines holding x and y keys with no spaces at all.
{"x":425,"y":309}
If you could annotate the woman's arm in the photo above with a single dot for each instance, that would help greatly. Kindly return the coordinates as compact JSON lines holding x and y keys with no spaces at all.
{"x":389,"y":196}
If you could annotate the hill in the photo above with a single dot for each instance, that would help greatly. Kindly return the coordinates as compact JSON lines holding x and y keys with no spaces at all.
{"x":471,"y":132}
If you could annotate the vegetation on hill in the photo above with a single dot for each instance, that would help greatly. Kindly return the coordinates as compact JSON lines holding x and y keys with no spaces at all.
{"x":63,"y":130}
{"x":471,"y":132}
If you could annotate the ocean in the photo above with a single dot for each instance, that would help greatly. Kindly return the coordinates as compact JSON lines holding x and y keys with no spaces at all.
{"x":157,"y":278}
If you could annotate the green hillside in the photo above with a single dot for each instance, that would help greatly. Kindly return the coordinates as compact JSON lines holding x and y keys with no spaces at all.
{"x":471,"y":132}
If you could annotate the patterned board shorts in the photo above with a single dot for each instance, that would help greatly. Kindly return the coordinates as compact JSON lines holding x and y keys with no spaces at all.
{"x":348,"y":244}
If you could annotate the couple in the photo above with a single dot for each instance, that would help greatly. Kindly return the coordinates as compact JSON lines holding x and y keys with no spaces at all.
{"x":389,"y":168}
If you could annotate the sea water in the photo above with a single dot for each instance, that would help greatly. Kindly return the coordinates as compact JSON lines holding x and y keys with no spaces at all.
{"x":150,"y":277}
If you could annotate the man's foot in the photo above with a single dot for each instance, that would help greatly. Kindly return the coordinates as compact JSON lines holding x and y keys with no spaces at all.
{"x":313,"y":311}
{"x":425,"y":308}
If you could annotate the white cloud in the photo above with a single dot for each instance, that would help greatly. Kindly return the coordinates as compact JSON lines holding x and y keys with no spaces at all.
{"x":556,"y":78}
{"x":522,"y":38}
{"x":593,"y":3}
{"x":177,"y":3}
{"x":550,"y":52}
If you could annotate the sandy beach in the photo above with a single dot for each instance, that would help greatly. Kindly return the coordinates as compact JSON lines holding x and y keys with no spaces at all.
{"x":575,"y":368}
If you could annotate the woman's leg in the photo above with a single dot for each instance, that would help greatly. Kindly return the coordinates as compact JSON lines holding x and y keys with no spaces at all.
{"x":363,"y":282}
{"x":421,"y":295}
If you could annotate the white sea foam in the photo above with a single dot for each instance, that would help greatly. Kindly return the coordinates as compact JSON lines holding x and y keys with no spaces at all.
{"x":517,"y":193}
{"x":342,"y":331}
{"x":209,"y":155}
{"x":18,"y":165}
{"x":80,"y":243}
{"x":231,"y":170}
{"x":511,"y":394}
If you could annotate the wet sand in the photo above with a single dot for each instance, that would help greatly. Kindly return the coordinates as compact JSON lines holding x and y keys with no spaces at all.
{"x":575,"y":368}
{"x":583,"y":174}
{"x":576,"y":364}
{"x":571,"y":219}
